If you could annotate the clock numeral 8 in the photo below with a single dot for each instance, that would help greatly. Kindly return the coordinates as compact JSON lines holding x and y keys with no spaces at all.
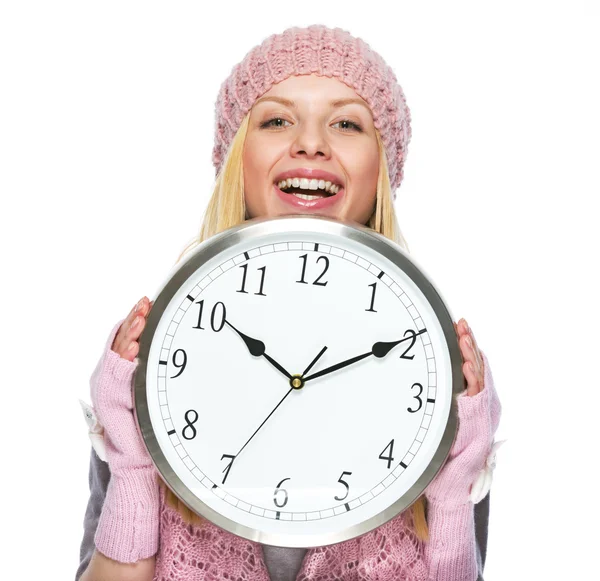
{"x":277,"y":491}
{"x":190,"y":425}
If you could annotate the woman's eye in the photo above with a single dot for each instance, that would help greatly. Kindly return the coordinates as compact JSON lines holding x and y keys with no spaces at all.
{"x":269,"y":123}
{"x":351,"y":123}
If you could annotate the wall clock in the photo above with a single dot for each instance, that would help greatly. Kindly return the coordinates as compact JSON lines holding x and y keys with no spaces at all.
{"x":296,"y":379}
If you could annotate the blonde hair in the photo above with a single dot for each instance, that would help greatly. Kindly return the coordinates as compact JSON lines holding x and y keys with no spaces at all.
{"x":226,"y":208}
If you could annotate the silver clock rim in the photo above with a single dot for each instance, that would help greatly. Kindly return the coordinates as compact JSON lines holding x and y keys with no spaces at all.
{"x":257,"y":228}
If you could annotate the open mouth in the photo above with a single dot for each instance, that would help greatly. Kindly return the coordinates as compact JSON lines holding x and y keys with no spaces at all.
{"x":308,"y":189}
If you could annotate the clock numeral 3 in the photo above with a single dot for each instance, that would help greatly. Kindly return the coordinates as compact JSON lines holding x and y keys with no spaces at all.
{"x":262,"y":280}
{"x":304,"y":258}
{"x":418,"y":397}
{"x":389,"y":458}
{"x":277,"y":491}
{"x":190,"y":425}
{"x":213,"y":316}
{"x":345,"y":484}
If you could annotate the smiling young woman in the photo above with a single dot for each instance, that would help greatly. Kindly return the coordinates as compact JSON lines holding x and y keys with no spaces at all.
{"x":312,"y":121}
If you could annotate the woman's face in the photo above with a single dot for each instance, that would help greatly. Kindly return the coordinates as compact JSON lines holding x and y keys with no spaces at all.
{"x":304,"y":127}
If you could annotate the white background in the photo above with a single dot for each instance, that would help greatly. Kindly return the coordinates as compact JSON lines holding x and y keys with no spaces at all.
{"x":106,"y":132}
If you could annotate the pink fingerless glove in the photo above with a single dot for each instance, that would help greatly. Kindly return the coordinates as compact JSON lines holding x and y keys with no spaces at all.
{"x":478,"y":419}
{"x":129,"y":523}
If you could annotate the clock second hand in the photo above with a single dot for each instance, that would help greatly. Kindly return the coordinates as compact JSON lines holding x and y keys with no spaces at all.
{"x":233,"y":458}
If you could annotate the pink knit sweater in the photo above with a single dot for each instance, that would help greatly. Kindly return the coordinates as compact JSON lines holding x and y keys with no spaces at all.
{"x":136,"y":523}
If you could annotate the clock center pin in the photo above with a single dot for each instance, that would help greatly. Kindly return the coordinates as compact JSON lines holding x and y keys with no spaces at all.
{"x":297,"y":382}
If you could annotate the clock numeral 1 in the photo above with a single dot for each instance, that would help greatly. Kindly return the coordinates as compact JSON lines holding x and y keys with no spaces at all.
{"x":418,"y":396}
{"x":213,"y":315}
{"x":190,"y":425}
{"x":228,"y":467}
{"x":304,"y":258}
{"x":371,"y":309}
{"x":345,"y":484}
{"x":262,"y":280}
{"x":277,"y":491}
{"x":389,"y":458}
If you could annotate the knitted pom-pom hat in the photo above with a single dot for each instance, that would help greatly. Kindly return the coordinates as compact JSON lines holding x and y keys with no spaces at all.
{"x":323,"y":51}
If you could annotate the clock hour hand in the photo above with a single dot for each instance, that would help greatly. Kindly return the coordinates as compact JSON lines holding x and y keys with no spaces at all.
{"x":379,"y":349}
{"x":257,"y":348}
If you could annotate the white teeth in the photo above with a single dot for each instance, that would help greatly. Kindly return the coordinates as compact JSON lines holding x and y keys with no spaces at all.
{"x":307,"y":184}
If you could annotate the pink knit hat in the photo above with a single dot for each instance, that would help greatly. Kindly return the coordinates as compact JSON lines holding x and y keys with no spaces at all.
{"x":323,"y":51}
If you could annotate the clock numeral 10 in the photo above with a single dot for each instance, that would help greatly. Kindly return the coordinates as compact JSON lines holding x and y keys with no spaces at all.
{"x":214,"y":316}
{"x":262,"y":280}
{"x":304,"y":258}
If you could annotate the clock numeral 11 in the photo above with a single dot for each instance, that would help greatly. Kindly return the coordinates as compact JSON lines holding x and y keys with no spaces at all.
{"x":262,"y":280}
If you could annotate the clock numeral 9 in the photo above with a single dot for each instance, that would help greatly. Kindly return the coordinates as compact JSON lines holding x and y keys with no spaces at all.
{"x":190,"y":425}
{"x":262,"y":280}
{"x":304,"y":258}
{"x":277,"y":491}
{"x":345,"y":484}
{"x":213,"y":316}
{"x":418,"y":397}
{"x":181,"y":366}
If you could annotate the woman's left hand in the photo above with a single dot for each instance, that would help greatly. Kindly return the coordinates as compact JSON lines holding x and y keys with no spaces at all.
{"x":473,"y":359}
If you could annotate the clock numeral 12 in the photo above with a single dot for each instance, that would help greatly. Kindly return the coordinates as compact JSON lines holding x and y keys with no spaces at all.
{"x":304,"y":258}
{"x":262,"y":280}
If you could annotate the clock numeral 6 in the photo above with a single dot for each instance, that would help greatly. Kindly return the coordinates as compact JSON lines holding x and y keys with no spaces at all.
{"x":277,"y":491}
{"x":345,"y":484}
{"x":417,"y":397}
{"x":190,"y":425}
{"x":214,"y":316}
{"x":304,"y":258}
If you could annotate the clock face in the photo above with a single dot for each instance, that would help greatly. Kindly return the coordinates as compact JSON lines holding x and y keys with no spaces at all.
{"x":296,"y":379}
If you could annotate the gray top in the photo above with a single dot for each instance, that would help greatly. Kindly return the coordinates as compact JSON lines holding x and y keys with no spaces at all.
{"x":283,"y":564}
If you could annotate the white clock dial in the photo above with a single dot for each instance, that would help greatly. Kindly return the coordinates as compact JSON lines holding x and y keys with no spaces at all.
{"x":296,"y":381}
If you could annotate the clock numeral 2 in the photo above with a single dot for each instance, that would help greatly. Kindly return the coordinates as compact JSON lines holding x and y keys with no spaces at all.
{"x":262,"y":280}
{"x":189,"y":425}
{"x":304,"y":258}
{"x":277,"y":491}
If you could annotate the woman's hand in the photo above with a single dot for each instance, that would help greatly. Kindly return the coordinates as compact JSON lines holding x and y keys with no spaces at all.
{"x":126,"y":343}
{"x":473,"y":367}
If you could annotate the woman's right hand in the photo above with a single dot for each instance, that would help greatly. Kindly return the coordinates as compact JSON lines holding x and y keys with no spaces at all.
{"x":126,"y":343}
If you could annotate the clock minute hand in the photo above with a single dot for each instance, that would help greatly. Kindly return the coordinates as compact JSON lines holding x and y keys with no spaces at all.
{"x":257,"y":348}
{"x":379,"y":349}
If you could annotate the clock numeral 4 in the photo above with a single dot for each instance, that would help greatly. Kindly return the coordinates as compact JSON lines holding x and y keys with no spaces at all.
{"x":304,"y":258}
{"x":277,"y":491}
{"x":217,"y":319}
{"x":389,"y":457}
{"x":244,"y":267}
{"x":418,"y":397}
{"x":189,"y":426}
{"x":341,"y":481}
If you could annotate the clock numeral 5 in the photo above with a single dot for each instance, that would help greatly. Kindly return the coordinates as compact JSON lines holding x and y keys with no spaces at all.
{"x":345,"y":484}
{"x":304,"y":258}
{"x":214,"y":316}
{"x":190,"y":425}
{"x":262,"y":280}
{"x":277,"y":491}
